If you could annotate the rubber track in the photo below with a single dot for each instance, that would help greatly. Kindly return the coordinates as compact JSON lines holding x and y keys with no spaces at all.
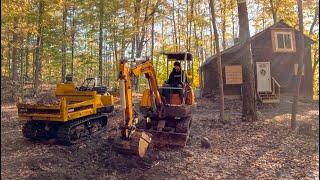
{"x":184,"y":125}
{"x":63,"y":133}
{"x":31,"y":130}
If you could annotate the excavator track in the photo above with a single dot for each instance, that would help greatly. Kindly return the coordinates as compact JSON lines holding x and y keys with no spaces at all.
{"x":183,"y":126}
{"x":35,"y":130}
{"x":66,"y":133}
{"x":79,"y":130}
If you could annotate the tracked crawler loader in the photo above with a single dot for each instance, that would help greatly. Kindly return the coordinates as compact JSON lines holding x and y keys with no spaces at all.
{"x":78,"y":113}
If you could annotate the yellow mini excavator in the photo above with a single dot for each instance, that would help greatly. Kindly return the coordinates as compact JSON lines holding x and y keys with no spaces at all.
{"x":162,"y":120}
{"x":78,"y":113}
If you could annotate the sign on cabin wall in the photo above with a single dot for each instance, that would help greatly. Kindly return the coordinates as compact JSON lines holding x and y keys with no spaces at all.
{"x":296,"y":69}
{"x":233,"y":74}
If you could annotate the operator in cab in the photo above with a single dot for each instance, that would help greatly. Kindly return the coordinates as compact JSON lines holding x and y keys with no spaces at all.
{"x":175,"y":80}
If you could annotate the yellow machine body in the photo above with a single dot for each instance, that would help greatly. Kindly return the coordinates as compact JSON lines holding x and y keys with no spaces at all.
{"x":73,"y":104}
{"x":146,"y":99}
{"x":190,"y":99}
{"x":77,"y":114}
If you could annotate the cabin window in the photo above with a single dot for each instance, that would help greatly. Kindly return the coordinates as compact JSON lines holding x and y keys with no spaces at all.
{"x":283,"y":41}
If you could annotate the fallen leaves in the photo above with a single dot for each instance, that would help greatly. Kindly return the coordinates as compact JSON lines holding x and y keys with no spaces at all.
{"x":265,"y":149}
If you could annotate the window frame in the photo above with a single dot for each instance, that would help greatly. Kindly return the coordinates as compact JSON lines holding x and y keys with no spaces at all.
{"x":283,"y":31}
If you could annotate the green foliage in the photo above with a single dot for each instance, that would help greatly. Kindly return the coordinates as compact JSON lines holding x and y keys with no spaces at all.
{"x":122,"y":25}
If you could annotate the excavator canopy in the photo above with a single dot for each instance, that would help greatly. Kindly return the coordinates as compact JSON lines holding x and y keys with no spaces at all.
{"x":178,"y":56}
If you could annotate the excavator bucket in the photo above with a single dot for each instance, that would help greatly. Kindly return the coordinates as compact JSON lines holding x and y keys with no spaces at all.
{"x":136,"y":145}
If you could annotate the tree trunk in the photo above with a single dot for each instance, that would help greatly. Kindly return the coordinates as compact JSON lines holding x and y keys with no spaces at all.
{"x":273,"y":11}
{"x":162,"y":45}
{"x":223,"y":29}
{"x":202,"y":48}
{"x":137,"y":9}
{"x":133,"y":45}
{"x":152,"y":38}
{"x":64,"y":44}
{"x":27,"y":58}
{"x":263,"y":17}
{"x":315,"y":55}
{"x":249,"y":100}
{"x":101,"y":38}
{"x":174,"y":27}
{"x":179,"y":30}
{"x":233,"y":21}
{"x":187,"y":26}
{"x":141,"y":43}
{"x":108,"y":70}
{"x":143,"y":36}
{"x":196,"y":41}
{"x":190,"y":25}
{"x":14,"y":57}
{"x":38,"y":50}
{"x":73,"y":32}
{"x":315,"y":62}
{"x":143,"y":32}
{"x":3,"y":71}
{"x":146,"y":49}
{"x":137,"y":47}
{"x":33,"y":61}
{"x":315,"y":18}
{"x":216,"y":37}
{"x":22,"y":54}
{"x":212,"y":49}
{"x":300,"y":63}
{"x":189,"y":22}
{"x":115,"y":62}
{"x":9,"y":56}
{"x":104,"y":63}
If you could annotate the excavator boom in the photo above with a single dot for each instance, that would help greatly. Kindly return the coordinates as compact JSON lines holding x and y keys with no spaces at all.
{"x":132,"y":142}
{"x":147,"y":69}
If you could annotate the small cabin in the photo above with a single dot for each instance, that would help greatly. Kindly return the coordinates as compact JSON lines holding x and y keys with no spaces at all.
{"x":275,"y":58}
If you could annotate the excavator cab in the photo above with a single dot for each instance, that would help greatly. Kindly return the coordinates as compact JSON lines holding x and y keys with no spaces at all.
{"x":184,"y":94}
{"x":172,"y":126}
{"x":172,"y":94}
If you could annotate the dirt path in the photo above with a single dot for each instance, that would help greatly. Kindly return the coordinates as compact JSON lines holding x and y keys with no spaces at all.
{"x":241,"y":150}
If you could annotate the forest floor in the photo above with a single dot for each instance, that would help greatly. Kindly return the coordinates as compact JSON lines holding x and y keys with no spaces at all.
{"x":266,"y":149}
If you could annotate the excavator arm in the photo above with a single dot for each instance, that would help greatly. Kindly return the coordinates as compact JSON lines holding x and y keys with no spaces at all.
{"x":135,"y":142}
{"x":126,"y":99}
{"x":125,"y":75}
{"x":147,"y":69}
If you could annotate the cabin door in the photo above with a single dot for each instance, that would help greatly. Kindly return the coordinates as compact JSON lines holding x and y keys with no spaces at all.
{"x":263,"y":77}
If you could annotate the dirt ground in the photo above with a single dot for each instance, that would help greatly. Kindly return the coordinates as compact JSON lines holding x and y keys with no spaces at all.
{"x":266,"y":149}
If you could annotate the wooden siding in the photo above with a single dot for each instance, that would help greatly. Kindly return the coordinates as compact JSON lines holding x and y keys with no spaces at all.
{"x":282,"y":64}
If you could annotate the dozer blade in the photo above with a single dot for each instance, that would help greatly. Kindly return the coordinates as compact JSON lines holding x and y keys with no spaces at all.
{"x":177,"y":136}
{"x":168,"y":138}
{"x":136,"y":145}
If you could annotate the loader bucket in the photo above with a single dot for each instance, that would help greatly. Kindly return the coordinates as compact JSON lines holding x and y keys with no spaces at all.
{"x":136,"y":145}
